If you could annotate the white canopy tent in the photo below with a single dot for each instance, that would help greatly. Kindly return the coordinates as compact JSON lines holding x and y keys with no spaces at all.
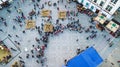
{"x":112,"y":26}
{"x":100,"y":18}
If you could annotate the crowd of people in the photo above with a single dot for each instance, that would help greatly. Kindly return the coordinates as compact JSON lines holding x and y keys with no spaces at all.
{"x":38,"y":51}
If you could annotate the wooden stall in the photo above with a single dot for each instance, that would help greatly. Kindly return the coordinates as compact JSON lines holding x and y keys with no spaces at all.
{"x":48,"y":27}
{"x":30,"y":24}
{"x":62,"y":15}
{"x":45,"y":13}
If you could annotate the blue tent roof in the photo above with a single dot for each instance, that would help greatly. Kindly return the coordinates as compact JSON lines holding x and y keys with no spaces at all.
{"x":88,"y":58}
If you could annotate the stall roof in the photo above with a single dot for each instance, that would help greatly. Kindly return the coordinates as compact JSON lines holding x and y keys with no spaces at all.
{"x":112,"y":26}
{"x":88,"y":58}
{"x":62,"y":14}
{"x":48,"y":27}
{"x":100,"y":18}
{"x":30,"y":24}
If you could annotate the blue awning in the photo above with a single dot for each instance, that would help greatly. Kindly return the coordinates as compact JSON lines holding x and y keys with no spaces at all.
{"x":88,"y":58}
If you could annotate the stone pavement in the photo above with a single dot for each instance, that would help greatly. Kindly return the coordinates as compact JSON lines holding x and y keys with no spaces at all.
{"x":57,"y":45}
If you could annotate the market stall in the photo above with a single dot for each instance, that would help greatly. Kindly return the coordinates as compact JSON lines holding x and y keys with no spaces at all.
{"x":48,"y":27}
{"x":100,"y":18}
{"x":4,"y":3}
{"x":80,"y":7}
{"x":62,"y":15}
{"x":16,"y":64}
{"x":5,"y":53}
{"x":101,"y":21}
{"x":112,"y":26}
{"x":45,"y":13}
{"x":30,"y":24}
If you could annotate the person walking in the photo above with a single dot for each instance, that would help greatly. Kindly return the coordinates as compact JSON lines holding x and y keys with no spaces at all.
{"x":20,"y":57}
{"x":17,"y":36}
{"x":37,"y":61}
{"x":1,"y":30}
{"x":9,"y":35}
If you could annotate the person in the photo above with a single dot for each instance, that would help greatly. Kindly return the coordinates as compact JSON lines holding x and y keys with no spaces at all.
{"x":87,"y":47}
{"x":33,"y":45}
{"x":65,"y":61}
{"x":21,"y":61}
{"x":13,"y":49}
{"x":58,"y":1}
{"x":23,"y":31}
{"x":17,"y":36}
{"x":46,"y":45}
{"x":32,"y":51}
{"x":20,"y":57}
{"x":42,"y":6}
{"x":5,"y":23}
{"x":1,"y":30}
{"x":42,"y":61}
{"x":18,"y":43}
{"x":32,"y":56}
{"x":27,"y":56}
{"x":77,"y":40}
{"x":38,"y":12}
{"x":110,"y":44}
{"x":108,"y":39}
{"x":14,"y":27}
{"x":87,"y":38}
{"x":37,"y":61}
{"x":104,"y":36}
{"x":58,"y":8}
{"x":65,"y":6}
{"x":9,"y":35}
{"x":78,"y":51}
{"x":34,"y":7}
{"x":8,"y":11}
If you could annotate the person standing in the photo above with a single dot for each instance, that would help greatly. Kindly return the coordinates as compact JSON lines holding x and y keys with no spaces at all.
{"x":5,"y":23}
{"x":14,"y":27}
{"x":65,"y":61}
{"x":9,"y":35}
